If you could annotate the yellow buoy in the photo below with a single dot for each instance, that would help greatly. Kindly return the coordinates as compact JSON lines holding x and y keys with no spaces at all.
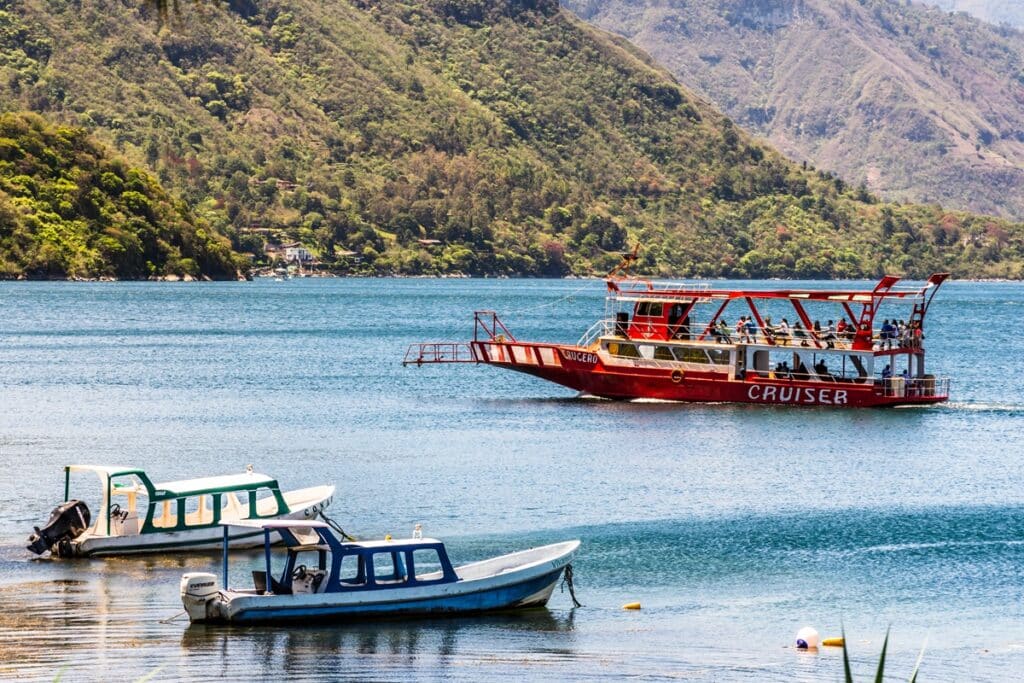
{"x":833,"y":642}
{"x":631,"y":605}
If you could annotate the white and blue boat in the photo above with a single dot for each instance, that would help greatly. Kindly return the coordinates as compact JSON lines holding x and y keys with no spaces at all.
{"x":322,"y":578}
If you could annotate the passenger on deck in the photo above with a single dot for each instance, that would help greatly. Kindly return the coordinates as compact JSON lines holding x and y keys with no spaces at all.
{"x":783,"y":371}
{"x":888,"y":333}
{"x":769,"y":330}
{"x":887,"y":372}
{"x":801,"y":372}
{"x":916,"y":335}
{"x":821,"y":369}
{"x":782,"y":332}
{"x":751,"y":329}
{"x":799,"y":333}
{"x":722,"y":336}
{"x":741,"y":330}
{"x":904,"y":334}
{"x":841,"y":328}
{"x":830,"y":335}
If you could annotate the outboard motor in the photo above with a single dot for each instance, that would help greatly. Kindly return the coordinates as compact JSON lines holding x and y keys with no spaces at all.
{"x":67,"y":521}
{"x":198,"y":589}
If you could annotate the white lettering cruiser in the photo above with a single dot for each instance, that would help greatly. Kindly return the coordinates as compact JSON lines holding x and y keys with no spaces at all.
{"x":807,"y":395}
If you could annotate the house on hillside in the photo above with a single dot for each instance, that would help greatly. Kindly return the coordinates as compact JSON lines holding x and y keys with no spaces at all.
{"x":295,"y":253}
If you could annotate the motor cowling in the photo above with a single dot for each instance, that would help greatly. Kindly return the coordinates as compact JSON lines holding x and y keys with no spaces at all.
{"x":67,"y":521}
{"x":197,"y":589}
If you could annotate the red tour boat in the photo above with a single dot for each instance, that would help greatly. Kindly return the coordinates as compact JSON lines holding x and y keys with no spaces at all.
{"x":655,"y":344}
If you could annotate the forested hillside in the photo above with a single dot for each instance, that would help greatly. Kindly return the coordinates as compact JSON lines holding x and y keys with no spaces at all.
{"x":919,"y":104}
{"x":471,"y":136}
{"x":68,"y":208}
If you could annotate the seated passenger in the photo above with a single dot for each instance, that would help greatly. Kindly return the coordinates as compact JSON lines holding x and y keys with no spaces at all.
{"x":800,"y":333}
{"x":782,"y":332}
{"x":782,"y":370}
{"x":830,"y":335}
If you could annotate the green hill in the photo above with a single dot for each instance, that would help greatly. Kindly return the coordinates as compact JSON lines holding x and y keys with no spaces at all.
{"x":919,"y":104}
{"x":473,"y":136}
{"x":68,"y":208}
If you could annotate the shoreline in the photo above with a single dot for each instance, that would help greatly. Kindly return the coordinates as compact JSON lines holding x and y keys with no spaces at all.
{"x":460,"y":276}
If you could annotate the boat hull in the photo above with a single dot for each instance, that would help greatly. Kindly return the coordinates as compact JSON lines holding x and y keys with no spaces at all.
{"x":585,"y":371}
{"x":489,"y":586}
{"x":531,"y":593}
{"x":309,"y":503}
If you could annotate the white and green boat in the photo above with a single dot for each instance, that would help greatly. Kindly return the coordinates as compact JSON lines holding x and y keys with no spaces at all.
{"x":138,"y":516}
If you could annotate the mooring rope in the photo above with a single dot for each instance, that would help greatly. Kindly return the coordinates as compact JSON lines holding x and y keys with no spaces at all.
{"x":170,"y":619}
{"x":567,"y":581}
{"x":337,"y":527}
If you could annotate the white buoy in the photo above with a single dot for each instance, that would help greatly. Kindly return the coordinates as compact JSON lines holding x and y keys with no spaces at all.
{"x":807,"y":639}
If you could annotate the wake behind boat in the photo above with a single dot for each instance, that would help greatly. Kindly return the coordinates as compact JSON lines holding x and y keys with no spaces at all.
{"x":671,"y":341}
{"x":137,"y":516}
{"x":324,"y":579}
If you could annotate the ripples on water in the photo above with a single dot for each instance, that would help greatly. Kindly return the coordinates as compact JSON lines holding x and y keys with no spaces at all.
{"x":734,"y":525}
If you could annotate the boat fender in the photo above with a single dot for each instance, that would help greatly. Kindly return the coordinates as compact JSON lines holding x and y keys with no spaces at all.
{"x":833,"y":642}
{"x":631,"y":605}
{"x":677,"y":376}
{"x":807,"y":638}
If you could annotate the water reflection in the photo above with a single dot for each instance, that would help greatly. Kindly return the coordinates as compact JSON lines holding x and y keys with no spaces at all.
{"x":375,"y":645}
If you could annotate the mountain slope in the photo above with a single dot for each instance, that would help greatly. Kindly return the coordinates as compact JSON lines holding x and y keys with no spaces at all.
{"x":68,"y":208}
{"x":921,"y":105}
{"x":475,"y":136}
{"x":992,"y":11}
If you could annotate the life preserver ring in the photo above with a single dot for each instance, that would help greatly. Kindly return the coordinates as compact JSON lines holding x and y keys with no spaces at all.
{"x":677,"y":376}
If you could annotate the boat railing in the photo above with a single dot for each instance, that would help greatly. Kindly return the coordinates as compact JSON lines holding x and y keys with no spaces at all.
{"x":908,"y":387}
{"x":772,"y":336}
{"x":602,"y":328}
{"x":641,"y":286}
{"x":439,"y":352}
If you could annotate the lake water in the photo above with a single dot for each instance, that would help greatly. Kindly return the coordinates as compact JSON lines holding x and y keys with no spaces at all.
{"x":733,"y":525}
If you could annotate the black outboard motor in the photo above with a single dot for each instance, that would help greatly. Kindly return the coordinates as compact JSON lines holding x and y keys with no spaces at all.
{"x":67,"y":521}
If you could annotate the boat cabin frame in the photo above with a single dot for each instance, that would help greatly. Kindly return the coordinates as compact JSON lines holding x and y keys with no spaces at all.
{"x":339,"y":567}
{"x":179,"y":505}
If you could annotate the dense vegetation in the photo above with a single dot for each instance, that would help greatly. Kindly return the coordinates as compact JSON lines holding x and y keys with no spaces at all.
{"x":919,"y":104}
{"x":68,"y":208}
{"x":521,"y":140}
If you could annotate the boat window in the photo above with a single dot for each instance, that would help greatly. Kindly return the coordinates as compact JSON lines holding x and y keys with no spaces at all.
{"x":690,"y":354}
{"x":427,"y":563}
{"x":265,"y":502}
{"x":650,"y":308}
{"x":198,"y":511}
{"x":663,"y":353}
{"x":623,"y":350}
{"x":352,"y":571}
{"x":719,"y":356}
{"x":388,"y":567}
{"x":165,"y":515}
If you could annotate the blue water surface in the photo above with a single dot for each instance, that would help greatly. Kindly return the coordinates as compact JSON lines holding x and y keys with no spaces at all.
{"x":733,"y":525}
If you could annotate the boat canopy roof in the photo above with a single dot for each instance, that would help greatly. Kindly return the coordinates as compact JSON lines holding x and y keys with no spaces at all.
{"x":105,"y":470}
{"x":229,"y":482}
{"x":277,"y":523}
{"x":396,"y":542}
{"x":650,"y":290}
